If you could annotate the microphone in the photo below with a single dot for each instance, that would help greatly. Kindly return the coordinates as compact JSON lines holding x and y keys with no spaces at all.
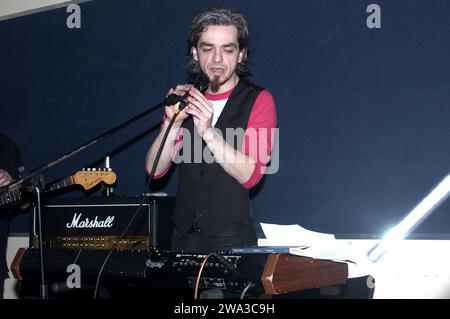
{"x":173,"y":99}
{"x":200,"y":83}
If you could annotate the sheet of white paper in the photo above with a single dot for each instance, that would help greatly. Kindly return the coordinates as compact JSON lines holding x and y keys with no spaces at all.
{"x":307,"y":243}
{"x":337,"y":251}
{"x":293,"y":235}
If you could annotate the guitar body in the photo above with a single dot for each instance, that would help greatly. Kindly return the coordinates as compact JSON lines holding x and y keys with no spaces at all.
{"x":15,"y":197}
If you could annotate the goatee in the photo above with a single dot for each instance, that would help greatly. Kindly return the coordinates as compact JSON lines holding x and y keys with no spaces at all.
{"x":214,"y":84}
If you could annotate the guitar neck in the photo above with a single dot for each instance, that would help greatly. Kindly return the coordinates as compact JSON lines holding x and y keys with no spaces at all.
{"x":60,"y":184}
{"x":87,"y":179}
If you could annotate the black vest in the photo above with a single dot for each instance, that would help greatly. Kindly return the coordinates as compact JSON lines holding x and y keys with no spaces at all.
{"x":206,"y":193}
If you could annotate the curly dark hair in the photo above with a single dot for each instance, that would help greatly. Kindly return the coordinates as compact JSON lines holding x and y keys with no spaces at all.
{"x":217,"y":16}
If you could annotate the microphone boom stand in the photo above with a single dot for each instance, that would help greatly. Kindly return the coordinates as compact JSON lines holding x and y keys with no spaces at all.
{"x":84,"y":146}
{"x":36,"y":179}
{"x":37,"y":183}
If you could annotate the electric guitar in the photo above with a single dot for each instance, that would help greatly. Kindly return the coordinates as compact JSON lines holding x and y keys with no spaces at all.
{"x":86,"y":178}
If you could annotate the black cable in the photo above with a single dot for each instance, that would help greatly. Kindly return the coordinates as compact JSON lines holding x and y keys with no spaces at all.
{"x":201,"y":82}
{"x":152,"y":173}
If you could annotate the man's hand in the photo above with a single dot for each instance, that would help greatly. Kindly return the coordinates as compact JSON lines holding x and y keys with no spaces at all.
{"x":5,"y":178}
{"x":201,"y":110}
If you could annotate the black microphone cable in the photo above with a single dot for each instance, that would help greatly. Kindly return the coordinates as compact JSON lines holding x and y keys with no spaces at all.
{"x":201,"y":82}
{"x":152,"y":173}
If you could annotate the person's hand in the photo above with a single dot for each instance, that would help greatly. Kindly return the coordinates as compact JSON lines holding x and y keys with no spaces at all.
{"x":5,"y":178}
{"x":180,"y":90}
{"x":201,"y":110}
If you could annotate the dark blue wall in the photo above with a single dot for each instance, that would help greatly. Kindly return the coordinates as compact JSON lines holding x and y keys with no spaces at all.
{"x":364,"y":114}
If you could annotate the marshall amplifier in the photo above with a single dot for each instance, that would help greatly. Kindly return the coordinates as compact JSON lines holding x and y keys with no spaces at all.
{"x":98,"y":223}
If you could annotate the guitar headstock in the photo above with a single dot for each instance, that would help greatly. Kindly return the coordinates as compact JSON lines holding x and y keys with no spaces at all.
{"x":90,"y":177}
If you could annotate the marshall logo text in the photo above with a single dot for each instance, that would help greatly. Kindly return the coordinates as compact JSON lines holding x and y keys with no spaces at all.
{"x":90,"y":223}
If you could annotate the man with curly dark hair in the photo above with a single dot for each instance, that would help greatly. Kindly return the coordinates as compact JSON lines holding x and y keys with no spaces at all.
{"x":212,"y":209}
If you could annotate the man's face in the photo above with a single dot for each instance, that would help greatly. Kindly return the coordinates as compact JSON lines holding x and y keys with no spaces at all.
{"x":218,"y":54}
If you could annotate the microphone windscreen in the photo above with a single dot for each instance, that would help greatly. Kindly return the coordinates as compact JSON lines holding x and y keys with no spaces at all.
{"x":172,"y":99}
